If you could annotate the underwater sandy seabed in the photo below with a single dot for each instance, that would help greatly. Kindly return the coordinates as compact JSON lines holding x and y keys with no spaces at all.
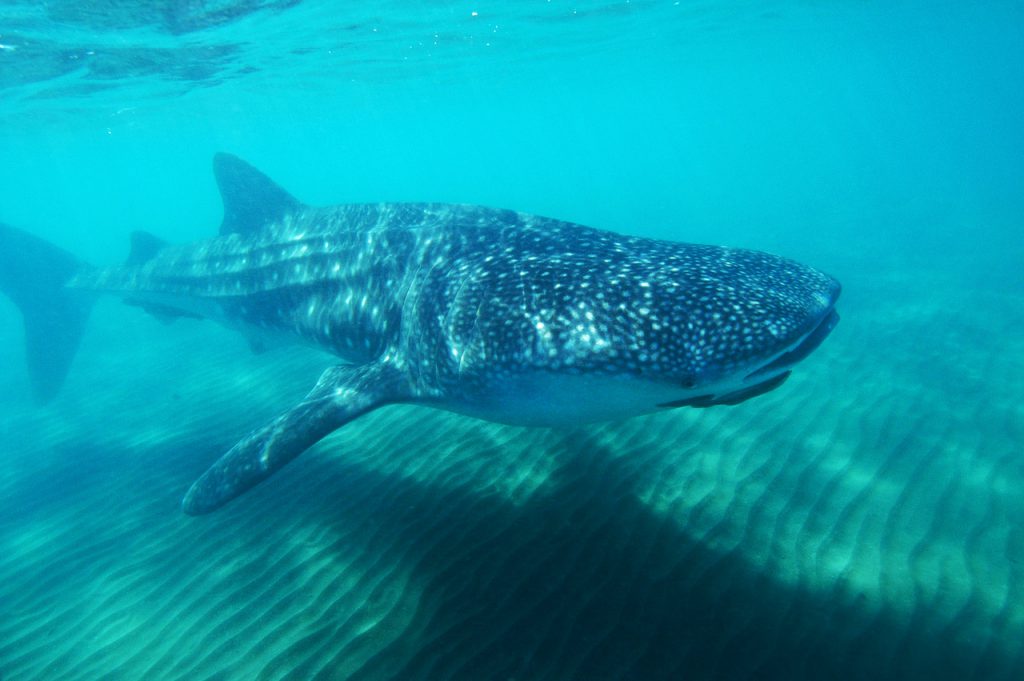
{"x":863,"y":521}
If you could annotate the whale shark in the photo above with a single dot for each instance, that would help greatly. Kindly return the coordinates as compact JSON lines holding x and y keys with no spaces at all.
{"x":496,"y":314}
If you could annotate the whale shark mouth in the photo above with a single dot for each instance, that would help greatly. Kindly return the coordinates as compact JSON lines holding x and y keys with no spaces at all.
{"x":805,"y":347}
{"x":734,"y":397}
{"x":774,"y":372}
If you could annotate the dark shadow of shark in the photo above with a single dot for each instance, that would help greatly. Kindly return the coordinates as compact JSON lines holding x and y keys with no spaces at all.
{"x":580,"y":581}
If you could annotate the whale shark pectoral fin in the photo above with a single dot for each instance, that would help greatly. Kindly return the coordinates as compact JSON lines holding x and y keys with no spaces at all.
{"x":342,"y":394}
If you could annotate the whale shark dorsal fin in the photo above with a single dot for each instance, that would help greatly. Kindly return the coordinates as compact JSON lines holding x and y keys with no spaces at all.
{"x":144,"y":247}
{"x":251,"y":199}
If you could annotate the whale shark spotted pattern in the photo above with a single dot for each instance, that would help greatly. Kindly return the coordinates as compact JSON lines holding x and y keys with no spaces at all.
{"x":501,"y":315}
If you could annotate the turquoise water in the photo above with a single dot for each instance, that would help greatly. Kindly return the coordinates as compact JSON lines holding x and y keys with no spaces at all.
{"x":863,"y":521}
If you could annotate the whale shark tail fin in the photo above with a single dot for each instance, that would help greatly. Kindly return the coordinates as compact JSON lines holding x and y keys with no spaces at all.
{"x":32,"y":274}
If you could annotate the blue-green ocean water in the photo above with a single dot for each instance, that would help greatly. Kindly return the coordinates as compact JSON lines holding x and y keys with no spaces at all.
{"x":881,"y":142}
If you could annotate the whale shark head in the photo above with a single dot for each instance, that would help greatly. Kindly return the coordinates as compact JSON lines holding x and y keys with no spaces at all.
{"x":748,"y":339}
{"x":737,"y":327}
{"x":604,"y":333}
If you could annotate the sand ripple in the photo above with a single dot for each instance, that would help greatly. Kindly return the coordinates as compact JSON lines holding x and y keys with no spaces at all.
{"x":861,"y":522}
